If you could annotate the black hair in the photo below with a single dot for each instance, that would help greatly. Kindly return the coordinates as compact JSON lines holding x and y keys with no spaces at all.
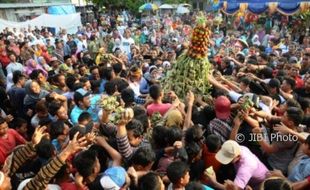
{"x":84,"y":116}
{"x":2,"y":120}
{"x":117,"y":67}
{"x":159,"y":137}
{"x":45,"y":121}
{"x":295,"y":114}
{"x":53,"y":107}
{"x":305,"y":103}
{"x":45,"y":148}
{"x":93,"y":68}
{"x":155,"y":91}
{"x":139,"y":110}
{"x":174,"y":134}
{"x":83,"y":80}
{"x":143,"y":156}
{"x":18,"y":122}
{"x":106,"y":72}
{"x":76,"y":129}
{"x":274,"y":83}
{"x":56,"y":129}
{"x":245,"y":81}
{"x":77,"y":86}
{"x":70,"y":81}
{"x":177,"y":170}
{"x":266,"y":72}
{"x":252,"y":61}
{"x":292,"y":103}
{"x":84,"y":162}
{"x":120,"y":83}
{"x":192,"y":150}
{"x":110,"y":88}
{"x":81,"y":66}
{"x":291,"y":82}
{"x":276,"y":184}
{"x":55,"y":78}
{"x":193,"y":134}
{"x":150,"y":181}
{"x":213,"y":143}
{"x":143,"y":118}
{"x":135,"y":126}
{"x":264,"y":56}
{"x":66,"y":57}
{"x":95,"y":85}
{"x":35,"y":74}
{"x":17,"y":75}
{"x":128,"y":96}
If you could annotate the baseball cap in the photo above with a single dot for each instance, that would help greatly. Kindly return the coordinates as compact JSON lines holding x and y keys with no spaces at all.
{"x":293,"y":60}
{"x":230,"y":150}
{"x":166,"y":64}
{"x":222,"y":107}
{"x":113,"y":178}
{"x":80,"y":93}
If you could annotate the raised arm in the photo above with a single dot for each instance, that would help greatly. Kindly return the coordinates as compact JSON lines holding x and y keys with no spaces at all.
{"x":115,"y":155}
{"x":188,"y":117}
{"x":46,"y":173}
{"x":22,"y":154}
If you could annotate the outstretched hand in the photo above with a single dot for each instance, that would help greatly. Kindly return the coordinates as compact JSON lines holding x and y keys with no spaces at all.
{"x":38,"y":134}
{"x":190,"y":98}
{"x":76,"y":144}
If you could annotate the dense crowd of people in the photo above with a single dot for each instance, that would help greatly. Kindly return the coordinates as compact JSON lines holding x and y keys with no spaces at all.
{"x":250,"y":132}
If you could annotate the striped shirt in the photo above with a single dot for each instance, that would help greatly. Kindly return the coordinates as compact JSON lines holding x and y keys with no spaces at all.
{"x":221,"y":128}
{"x":18,"y":158}
{"x":126,"y":149}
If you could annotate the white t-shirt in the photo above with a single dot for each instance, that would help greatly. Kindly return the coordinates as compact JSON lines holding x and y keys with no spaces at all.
{"x":126,"y":43}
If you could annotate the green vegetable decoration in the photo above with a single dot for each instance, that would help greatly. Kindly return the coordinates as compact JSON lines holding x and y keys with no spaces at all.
{"x":155,"y":118}
{"x":110,"y":104}
{"x":191,"y":70}
{"x":247,"y":104}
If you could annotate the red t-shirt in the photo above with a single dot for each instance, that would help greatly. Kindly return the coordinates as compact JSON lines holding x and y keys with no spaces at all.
{"x":161,"y":108}
{"x":4,"y":60}
{"x":299,"y":82}
{"x":9,"y":143}
{"x":69,"y":186}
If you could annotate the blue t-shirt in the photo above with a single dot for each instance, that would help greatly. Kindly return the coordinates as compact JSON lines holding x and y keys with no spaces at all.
{"x":92,"y":110}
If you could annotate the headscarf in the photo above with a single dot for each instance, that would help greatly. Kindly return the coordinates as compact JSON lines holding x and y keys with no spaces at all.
{"x":174,"y":118}
{"x":29,"y":68}
{"x":32,"y":98}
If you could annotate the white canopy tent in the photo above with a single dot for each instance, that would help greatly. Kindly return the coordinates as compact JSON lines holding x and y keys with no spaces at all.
{"x":182,"y":10}
{"x":69,"y":22}
{"x":166,"y":6}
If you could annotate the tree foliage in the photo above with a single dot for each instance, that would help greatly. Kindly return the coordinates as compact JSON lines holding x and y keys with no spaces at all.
{"x":131,"y":5}
{"x":175,"y":1}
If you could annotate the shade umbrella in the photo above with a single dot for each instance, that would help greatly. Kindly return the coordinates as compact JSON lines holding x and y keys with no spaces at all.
{"x":182,"y":10}
{"x":148,"y":7}
{"x":185,"y":5}
{"x":166,"y":6}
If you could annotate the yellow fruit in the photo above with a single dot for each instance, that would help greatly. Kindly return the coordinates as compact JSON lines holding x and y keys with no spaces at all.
{"x":209,"y":171}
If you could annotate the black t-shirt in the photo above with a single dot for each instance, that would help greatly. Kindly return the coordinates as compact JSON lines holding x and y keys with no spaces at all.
{"x":95,"y":185}
{"x":204,"y":116}
{"x":196,"y":170}
{"x":302,"y":93}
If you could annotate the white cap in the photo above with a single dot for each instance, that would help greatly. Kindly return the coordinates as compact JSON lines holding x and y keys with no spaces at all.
{"x":1,"y":178}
